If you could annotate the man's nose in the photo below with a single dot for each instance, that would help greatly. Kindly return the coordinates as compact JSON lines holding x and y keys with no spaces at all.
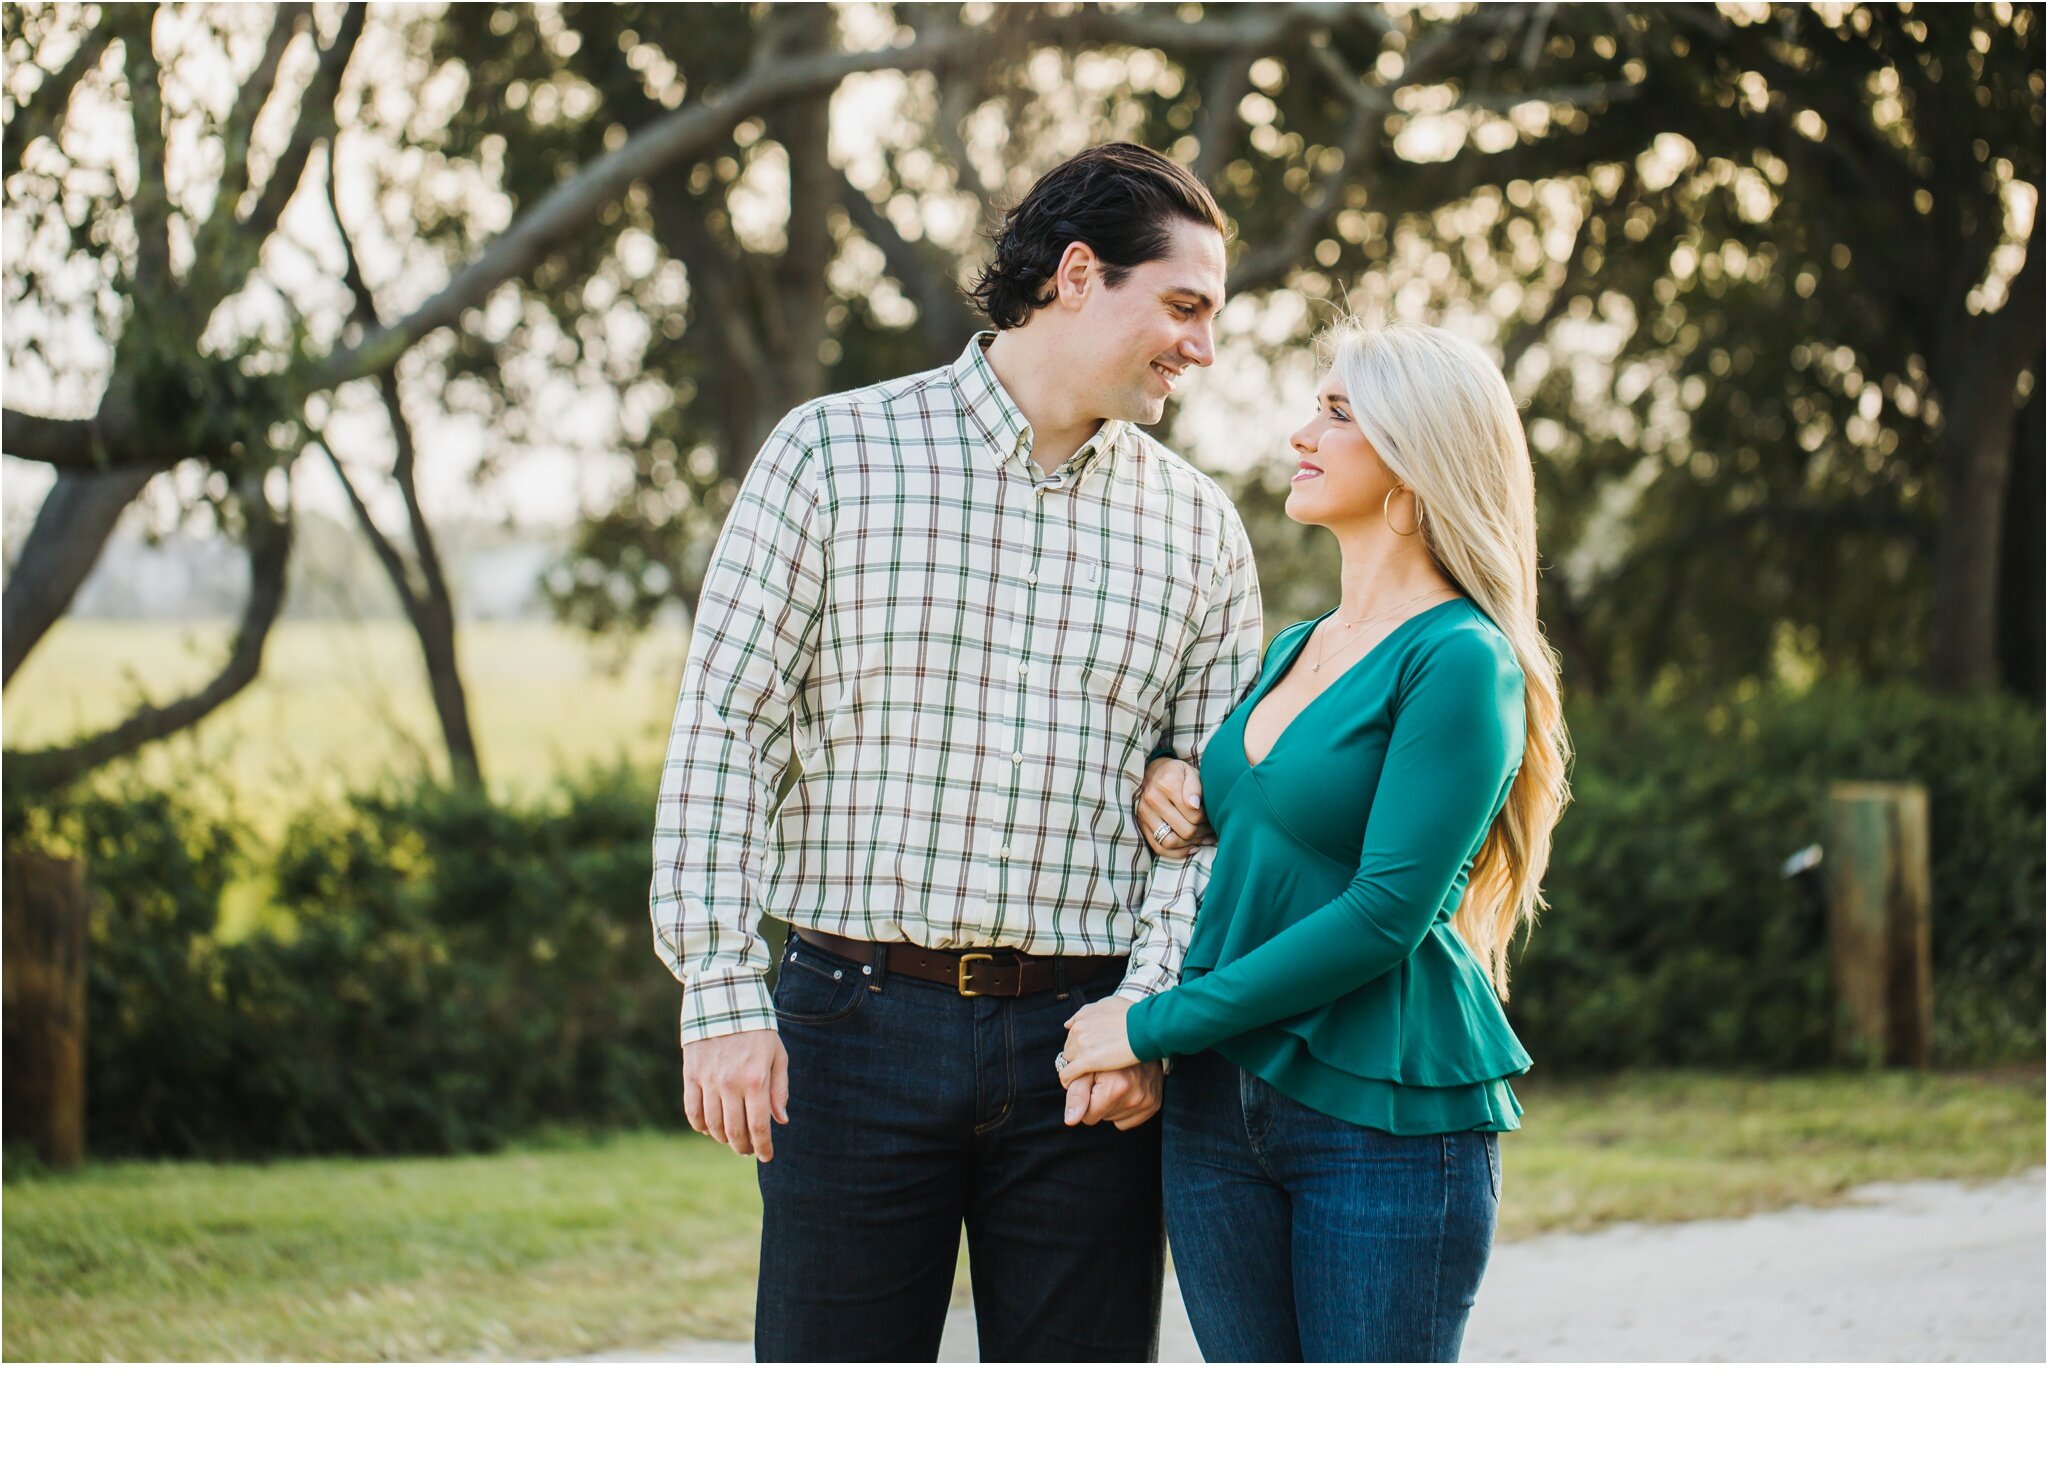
{"x":1199,"y":346}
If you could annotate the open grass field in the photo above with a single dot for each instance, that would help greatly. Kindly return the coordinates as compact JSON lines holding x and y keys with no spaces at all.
{"x":581,"y":1245}
{"x":339,"y":704}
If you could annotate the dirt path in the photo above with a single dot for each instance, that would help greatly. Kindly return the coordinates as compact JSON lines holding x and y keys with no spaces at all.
{"x":1925,"y":1271}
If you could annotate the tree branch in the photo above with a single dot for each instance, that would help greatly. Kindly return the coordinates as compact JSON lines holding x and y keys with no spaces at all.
{"x":63,"y":442}
{"x":151,"y":205}
{"x":715,"y":285}
{"x":1263,"y":29}
{"x":43,"y":114}
{"x":232,"y":246}
{"x":270,"y":541}
{"x":71,"y":530}
{"x":239,"y":129}
{"x":922,"y":270}
{"x":1528,"y":333}
{"x":539,"y":229}
{"x":1223,"y":88}
{"x":1272,"y":263}
{"x":387,"y":553}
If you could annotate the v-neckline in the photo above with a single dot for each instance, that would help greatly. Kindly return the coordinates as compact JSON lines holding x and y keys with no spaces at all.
{"x":1244,"y":749}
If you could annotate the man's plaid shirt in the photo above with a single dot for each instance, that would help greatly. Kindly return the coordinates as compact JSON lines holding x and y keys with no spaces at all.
{"x":970,"y":663}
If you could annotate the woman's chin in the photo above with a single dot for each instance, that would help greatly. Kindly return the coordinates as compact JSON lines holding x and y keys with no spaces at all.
{"x":1302,"y":507}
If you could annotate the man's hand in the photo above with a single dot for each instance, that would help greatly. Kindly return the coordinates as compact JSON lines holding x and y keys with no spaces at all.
{"x":733,"y":1086}
{"x":1101,"y":1074}
{"x":1126,"y":1097}
{"x":1172,"y":796}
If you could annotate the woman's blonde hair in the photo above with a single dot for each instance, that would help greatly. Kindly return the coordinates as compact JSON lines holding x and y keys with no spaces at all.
{"x":1439,"y":413}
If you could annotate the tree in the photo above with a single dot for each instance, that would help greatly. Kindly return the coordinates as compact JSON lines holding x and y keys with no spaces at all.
{"x":194,"y":377}
{"x":1758,"y":272}
{"x":785,"y":263}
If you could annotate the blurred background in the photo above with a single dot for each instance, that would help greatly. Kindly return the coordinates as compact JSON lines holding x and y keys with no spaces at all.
{"x":377,"y":378}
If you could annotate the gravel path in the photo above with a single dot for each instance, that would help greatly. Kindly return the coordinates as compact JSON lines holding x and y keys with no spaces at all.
{"x":1926,"y":1271}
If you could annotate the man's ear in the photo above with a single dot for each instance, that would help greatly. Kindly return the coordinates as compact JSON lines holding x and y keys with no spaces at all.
{"x":1079,"y":272}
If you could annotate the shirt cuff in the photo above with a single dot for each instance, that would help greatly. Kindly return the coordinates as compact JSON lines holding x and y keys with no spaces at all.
{"x":1146,"y":980}
{"x":736,"y":1002}
{"x":1138,"y":1031}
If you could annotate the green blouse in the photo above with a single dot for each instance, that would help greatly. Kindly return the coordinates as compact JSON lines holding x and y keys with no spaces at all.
{"x":1322,"y":957}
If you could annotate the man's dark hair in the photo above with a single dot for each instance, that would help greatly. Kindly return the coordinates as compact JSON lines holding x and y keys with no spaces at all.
{"x":1120,"y":199}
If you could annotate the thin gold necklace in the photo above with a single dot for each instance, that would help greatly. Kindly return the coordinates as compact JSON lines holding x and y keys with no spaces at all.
{"x":1316,"y":666}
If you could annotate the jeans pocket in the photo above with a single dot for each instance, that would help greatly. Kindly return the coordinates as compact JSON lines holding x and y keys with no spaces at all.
{"x":1493,"y":1165}
{"x":815,"y":987}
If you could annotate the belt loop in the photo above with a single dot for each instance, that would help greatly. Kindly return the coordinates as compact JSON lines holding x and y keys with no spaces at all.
{"x":1059,"y":978}
{"x":878,"y":963}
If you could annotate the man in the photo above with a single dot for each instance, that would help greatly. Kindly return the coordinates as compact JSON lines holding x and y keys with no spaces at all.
{"x":968,"y":603}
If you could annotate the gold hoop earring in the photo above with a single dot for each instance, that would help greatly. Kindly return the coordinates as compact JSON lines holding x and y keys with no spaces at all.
{"x":1387,"y":512}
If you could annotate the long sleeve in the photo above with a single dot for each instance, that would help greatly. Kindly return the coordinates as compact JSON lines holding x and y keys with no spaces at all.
{"x":752,"y":642}
{"x":1220,"y":668}
{"x":1454,"y":745}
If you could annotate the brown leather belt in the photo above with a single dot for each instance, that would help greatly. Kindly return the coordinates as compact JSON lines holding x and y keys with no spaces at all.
{"x":1001,"y":971}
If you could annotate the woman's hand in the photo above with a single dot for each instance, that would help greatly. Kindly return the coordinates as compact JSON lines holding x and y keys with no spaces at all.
{"x":1097,"y":1040}
{"x":1169,"y":808}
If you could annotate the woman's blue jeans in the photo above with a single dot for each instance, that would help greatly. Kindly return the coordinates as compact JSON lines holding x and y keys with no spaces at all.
{"x":1300,"y":1237}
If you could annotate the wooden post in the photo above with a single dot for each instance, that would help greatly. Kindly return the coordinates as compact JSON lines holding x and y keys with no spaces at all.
{"x":1878,"y":922}
{"x":42,"y":930}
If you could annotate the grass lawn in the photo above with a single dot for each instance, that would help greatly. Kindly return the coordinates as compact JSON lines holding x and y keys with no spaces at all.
{"x":341,"y":703}
{"x":579,"y":1245}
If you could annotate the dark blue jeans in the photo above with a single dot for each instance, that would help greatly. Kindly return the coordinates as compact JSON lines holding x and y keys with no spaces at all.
{"x":1300,"y":1237}
{"x":912,"y":1111}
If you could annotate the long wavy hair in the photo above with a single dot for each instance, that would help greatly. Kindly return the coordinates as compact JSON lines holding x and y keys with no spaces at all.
{"x":1440,"y":415}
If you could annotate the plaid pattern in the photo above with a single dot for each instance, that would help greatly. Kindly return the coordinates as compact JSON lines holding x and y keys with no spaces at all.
{"x":969,"y":664}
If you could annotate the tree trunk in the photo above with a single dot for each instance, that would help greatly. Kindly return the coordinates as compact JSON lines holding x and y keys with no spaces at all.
{"x":432,"y":611}
{"x":1979,"y":393}
{"x":795,"y":301}
{"x":435,"y":627}
{"x":1976,"y":468}
{"x":70,"y":532}
{"x":2021,"y":650}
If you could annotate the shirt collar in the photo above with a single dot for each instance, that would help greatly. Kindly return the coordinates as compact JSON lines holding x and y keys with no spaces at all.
{"x":1002,"y":424}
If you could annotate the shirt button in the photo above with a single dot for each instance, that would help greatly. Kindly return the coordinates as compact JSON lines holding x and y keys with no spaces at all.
{"x":1031,"y":577}
{"x":1016,"y":757}
{"x":1022,"y":671}
{"x":1003,"y":853}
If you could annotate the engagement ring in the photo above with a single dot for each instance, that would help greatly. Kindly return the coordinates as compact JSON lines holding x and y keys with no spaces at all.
{"x":1163,"y":833}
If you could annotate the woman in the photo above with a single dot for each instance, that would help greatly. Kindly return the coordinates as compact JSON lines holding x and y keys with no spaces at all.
{"x":1383,"y":803}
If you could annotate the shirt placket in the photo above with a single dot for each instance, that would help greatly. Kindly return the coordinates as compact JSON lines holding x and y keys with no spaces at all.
{"x":1010,"y":740}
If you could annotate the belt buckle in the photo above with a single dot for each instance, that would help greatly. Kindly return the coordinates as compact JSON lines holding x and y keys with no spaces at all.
{"x":962,"y":976}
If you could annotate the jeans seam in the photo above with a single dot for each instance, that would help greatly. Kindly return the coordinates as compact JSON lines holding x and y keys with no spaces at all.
{"x":1009,"y":1074}
{"x":1246,"y":1089}
{"x":1436,"y":1275}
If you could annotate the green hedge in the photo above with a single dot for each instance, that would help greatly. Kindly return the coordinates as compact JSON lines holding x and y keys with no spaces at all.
{"x":437,"y":972}
{"x":1673,"y":938}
